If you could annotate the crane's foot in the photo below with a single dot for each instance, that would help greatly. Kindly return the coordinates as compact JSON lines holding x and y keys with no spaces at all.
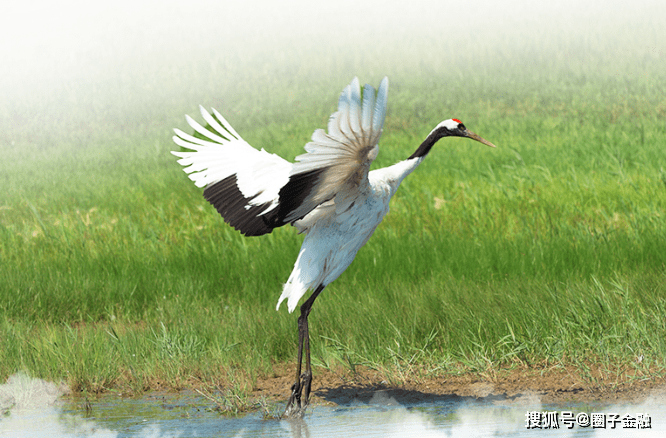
{"x":294,"y":404}
{"x":300,"y":396}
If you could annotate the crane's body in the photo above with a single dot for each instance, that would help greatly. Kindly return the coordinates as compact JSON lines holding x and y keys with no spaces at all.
{"x":329,"y":194}
{"x":334,"y":237}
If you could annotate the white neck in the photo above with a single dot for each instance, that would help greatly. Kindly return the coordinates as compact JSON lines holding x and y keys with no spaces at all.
{"x":393,"y":175}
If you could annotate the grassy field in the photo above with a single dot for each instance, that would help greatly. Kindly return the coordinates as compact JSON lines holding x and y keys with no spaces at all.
{"x":548,"y":251}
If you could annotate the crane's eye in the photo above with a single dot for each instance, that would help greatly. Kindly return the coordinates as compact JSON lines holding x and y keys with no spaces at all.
{"x":461,"y":127}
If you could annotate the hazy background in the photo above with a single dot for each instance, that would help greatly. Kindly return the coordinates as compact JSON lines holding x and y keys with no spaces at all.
{"x":132,"y":63}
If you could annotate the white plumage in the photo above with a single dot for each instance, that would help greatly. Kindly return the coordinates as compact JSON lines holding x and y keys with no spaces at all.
{"x":259,"y":173}
{"x":328,"y":193}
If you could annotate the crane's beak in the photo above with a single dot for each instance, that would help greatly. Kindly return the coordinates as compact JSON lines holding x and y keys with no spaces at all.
{"x":473,"y":136}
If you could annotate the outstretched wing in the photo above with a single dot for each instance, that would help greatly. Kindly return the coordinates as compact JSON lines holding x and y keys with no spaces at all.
{"x":241,"y":182}
{"x":336,"y":164}
{"x":255,"y":191}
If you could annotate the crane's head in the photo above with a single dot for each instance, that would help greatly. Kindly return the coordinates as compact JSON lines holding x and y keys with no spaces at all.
{"x":455,"y":128}
{"x":448,"y":128}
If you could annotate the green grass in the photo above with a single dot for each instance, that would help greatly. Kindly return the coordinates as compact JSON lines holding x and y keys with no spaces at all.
{"x":115,"y":272}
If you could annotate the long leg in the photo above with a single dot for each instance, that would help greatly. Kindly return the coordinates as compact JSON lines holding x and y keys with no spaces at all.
{"x":296,"y":405}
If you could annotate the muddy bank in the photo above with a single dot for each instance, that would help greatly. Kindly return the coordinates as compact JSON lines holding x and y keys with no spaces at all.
{"x":554,"y":385}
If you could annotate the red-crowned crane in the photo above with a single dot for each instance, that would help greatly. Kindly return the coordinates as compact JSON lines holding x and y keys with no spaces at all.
{"x":328,"y":193}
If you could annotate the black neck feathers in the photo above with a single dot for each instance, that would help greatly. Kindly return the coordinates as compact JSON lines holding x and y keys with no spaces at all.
{"x":430,"y":141}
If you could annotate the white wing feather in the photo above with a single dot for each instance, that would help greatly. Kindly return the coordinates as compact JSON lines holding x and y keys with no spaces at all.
{"x":259,"y":174}
{"x":344,"y":154}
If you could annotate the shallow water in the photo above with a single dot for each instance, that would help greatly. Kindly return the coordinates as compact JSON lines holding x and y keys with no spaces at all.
{"x":32,"y":409}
